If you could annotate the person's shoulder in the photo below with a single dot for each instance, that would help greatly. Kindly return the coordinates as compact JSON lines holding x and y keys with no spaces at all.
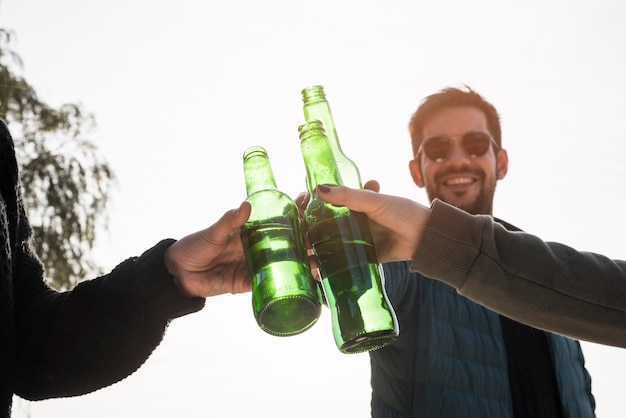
{"x":5,"y":136}
{"x":507,"y":225}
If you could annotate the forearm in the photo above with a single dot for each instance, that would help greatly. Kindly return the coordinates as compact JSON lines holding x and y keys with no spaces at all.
{"x":546,"y":285}
{"x":100,"y":332}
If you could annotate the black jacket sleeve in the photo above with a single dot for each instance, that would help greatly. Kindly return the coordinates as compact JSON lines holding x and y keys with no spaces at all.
{"x":74,"y":342}
{"x":103,"y":330}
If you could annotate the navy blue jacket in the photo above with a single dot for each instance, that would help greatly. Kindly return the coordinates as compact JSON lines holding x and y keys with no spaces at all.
{"x":450,"y":359}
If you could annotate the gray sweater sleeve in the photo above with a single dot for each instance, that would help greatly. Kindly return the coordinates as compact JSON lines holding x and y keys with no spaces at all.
{"x":543,"y":284}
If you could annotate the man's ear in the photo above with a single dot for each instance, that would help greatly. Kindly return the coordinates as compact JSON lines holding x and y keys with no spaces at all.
{"x":416,"y":173}
{"x":503,"y":164}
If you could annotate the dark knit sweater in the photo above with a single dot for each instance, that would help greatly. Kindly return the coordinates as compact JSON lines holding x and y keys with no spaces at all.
{"x":55,"y":344}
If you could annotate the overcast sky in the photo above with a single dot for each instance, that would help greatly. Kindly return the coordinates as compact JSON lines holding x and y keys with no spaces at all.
{"x":180,"y":89}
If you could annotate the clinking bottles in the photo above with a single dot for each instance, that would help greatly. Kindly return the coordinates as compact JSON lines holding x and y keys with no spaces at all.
{"x":353,"y":282}
{"x":316,"y":107}
{"x":286,"y":299}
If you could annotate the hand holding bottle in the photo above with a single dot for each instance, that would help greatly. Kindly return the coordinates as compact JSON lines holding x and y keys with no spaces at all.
{"x":210,"y":262}
{"x":397,"y":224}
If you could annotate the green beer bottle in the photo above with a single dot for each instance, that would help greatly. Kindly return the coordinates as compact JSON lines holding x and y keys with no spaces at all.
{"x":286,"y":299}
{"x":352,"y":279}
{"x":316,"y":107}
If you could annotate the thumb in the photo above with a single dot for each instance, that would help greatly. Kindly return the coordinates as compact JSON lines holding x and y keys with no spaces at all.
{"x":230,"y":221}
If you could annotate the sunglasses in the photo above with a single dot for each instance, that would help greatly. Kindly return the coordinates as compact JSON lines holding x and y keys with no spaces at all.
{"x":474,"y":144}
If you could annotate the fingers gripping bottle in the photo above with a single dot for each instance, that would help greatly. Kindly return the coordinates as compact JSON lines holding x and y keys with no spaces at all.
{"x":316,"y":107}
{"x":352,"y":279}
{"x":286,"y":299}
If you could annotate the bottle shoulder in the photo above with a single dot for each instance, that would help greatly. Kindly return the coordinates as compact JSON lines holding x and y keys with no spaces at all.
{"x":267,"y":204}
{"x":269,"y":195}
{"x":318,"y":209}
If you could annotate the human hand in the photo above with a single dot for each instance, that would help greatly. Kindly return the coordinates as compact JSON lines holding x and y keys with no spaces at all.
{"x":397,"y":223}
{"x":211,"y":261}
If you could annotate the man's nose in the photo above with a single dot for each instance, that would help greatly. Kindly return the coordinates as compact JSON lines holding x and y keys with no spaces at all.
{"x":457,"y":154}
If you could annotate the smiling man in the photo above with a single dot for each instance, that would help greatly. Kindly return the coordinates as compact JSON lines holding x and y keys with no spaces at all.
{"x":454,"y":358}
{"x":459,"y":165}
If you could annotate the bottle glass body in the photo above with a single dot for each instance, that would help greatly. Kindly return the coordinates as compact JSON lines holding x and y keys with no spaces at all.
{"x":316,"y":107}
{"x":286,"y":299}
{"x":362,"y":317}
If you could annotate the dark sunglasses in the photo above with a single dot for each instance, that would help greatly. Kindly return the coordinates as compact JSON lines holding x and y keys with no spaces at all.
{"x":474,"y":144}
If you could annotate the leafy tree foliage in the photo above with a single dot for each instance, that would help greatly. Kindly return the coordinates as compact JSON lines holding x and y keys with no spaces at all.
{"x":65,"y":183}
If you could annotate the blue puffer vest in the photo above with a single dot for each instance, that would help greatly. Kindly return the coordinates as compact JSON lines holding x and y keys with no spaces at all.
{"x":450,"y":358}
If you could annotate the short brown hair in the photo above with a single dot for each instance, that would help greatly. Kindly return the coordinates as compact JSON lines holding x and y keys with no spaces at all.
{"x":452,"y":97}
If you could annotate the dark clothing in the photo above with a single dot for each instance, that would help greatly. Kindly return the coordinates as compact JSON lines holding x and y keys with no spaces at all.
{"x":55,"y":344}
{"x":544,"y":284}
{"x":534,"y":392}
{"x":454,"y":358}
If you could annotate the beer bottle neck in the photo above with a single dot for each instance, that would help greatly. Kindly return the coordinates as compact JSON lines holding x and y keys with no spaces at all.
{"x":257,"y":170}
{"x":319,"y":161}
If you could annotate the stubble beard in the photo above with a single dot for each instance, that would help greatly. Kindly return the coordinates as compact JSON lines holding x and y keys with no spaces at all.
{"x":481,"y":205}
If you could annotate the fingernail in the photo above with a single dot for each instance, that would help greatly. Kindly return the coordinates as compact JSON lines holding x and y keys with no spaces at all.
{"x":323,"y":189}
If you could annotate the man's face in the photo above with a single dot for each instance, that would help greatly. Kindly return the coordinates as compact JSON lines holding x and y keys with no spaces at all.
{"x":467,"y":182}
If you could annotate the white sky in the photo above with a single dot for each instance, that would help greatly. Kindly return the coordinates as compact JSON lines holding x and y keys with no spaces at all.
{"x":180,"y":89}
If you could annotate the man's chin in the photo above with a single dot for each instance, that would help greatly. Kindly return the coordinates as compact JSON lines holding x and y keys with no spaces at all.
{"x":474,"y":201}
